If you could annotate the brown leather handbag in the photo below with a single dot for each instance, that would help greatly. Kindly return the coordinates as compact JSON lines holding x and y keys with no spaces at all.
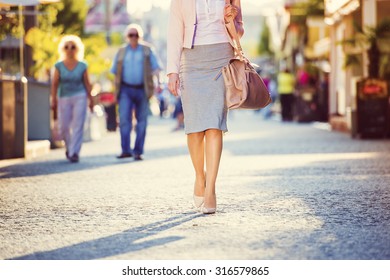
{"x":245,"y":89}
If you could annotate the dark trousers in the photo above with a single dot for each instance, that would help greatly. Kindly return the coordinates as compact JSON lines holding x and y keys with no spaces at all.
{"x":111,"y":117}
{"x":287,"y":102}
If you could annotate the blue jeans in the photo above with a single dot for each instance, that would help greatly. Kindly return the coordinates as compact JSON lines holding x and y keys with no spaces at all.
{"x":133,"y":99}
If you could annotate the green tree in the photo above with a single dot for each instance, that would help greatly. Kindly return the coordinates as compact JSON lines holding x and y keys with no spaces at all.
{"x":44,"y":46}
{"x":264,"y":45}
{"x":45,"y":52}
{"x":94,"y":45}
{"x":56,"y":20}
{"x":68,"y":14}
{"x":301,"y":10}
{"x":47,"y":15}
{"x":9,"y":22}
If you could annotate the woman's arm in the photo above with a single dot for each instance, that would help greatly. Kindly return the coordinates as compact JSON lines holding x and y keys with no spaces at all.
{"x":175,"y":37}
{"x":54,"y":88}
{"x":175,"y":45}
{"x":238,"y":20}
{"x":88,"y":87}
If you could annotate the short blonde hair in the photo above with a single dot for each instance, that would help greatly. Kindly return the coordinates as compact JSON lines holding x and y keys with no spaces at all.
{"x":135,"y":26}
{"x":75,"y":40}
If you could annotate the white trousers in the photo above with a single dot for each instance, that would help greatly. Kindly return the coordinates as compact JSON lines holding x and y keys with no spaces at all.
{"x":71,"y":117}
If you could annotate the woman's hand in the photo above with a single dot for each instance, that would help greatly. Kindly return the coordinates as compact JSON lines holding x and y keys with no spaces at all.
{"x":90,"y":103}
{"x":54,"y":103}
{"x":230,"y":12}
{"x":174,"y":83}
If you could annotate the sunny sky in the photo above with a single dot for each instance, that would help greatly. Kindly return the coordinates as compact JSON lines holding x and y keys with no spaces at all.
{"x":144,"y":5}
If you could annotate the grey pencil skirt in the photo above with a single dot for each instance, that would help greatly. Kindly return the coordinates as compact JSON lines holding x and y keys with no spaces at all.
{"x":203,"y":96}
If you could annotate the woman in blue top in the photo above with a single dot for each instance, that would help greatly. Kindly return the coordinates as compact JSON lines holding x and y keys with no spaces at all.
{"x":70,"y":90}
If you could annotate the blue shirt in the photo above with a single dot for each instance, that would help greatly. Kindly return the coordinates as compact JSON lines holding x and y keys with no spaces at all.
{"x":71,"y":81}
{"x":133,"y":65}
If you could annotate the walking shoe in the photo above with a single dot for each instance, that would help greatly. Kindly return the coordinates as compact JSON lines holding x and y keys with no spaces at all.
{"x":198,"y":201}
{"x":125,"y":155}
{"x":67,"y":155}
{"x":138,"y":157}
{"x":74,"y":158}
{"x":206,"y":210}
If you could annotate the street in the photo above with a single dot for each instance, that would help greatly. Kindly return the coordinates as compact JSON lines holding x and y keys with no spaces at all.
{"x":285,"y":191}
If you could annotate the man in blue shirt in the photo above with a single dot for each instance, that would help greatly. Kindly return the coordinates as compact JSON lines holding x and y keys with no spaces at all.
{"x":134,"y":67}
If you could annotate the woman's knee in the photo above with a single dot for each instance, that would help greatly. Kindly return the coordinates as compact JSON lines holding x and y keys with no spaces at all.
{"x":196,"y":136}
{"x":213,"y":133}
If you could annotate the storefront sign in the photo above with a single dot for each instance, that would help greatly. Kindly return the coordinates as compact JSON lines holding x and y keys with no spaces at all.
{"x":372,"y":88}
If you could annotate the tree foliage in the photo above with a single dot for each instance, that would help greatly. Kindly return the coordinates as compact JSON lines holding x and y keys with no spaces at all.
{"x":301,"y":10}
{"x":68,"y":14}
{"x":45,"y":54}
{"x":44,"y":46}
{"x":369,"y":38}
{"x":264,"y":46}
{"x":94,"y":45}
{"x":54,"y":21}
{"x":9,"y":22}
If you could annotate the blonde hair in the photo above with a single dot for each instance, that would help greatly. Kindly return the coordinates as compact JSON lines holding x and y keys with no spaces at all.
{"x":75,"y":40}
{"x":135,"y":26}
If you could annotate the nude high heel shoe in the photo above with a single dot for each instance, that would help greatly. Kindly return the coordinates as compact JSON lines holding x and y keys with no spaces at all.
{"x":206,"y":210}
{"x":198,"y":201}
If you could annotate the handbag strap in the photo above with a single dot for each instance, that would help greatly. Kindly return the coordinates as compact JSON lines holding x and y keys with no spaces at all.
{"x":231,"y":27}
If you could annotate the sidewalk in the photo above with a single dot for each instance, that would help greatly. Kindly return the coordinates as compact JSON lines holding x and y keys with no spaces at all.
{"x":285,"y":191}
{"x":33,"y":149}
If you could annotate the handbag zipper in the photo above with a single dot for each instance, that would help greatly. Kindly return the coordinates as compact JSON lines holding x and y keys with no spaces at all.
{"x":218,"y":74}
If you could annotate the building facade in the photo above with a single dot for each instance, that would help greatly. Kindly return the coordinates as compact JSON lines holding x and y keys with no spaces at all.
{"x":343,"y":16}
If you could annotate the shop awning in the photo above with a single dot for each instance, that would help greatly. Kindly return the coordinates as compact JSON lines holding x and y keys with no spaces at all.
{"x":335,"y":9}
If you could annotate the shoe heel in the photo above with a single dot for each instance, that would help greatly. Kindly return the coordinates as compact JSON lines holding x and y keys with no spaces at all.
{"x":206,"y":210}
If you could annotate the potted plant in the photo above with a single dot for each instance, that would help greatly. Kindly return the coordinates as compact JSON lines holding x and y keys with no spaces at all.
{"x":376,"y":42}
{"x":372,"y":97}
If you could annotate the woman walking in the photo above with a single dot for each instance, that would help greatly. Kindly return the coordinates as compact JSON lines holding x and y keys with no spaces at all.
{"x":199,"y":45}
{"x":70,"y":90}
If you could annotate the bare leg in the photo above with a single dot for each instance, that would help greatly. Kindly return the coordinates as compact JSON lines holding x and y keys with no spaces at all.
{"x":195,"y":142}
{"x":213,"y":156}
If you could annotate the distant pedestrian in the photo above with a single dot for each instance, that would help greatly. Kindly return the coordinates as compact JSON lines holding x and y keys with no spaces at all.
{"x":134,"y":67}
{"x":199,"y":45}
{"x":178,"y":115}
{"x":286,"y":88}
{"x":273,"y":90}
{"x":303,"y":77}
{"x":70,"y":93}
{"x":161,"y":96}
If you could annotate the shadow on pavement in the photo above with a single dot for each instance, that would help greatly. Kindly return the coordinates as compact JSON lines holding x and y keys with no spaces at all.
{"x":122,"y":243}
{"x":37,"y":168}
{"x":56,"y":166}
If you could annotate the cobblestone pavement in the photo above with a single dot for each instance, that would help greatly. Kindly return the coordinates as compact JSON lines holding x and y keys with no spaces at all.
{"x":285,"y":191}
